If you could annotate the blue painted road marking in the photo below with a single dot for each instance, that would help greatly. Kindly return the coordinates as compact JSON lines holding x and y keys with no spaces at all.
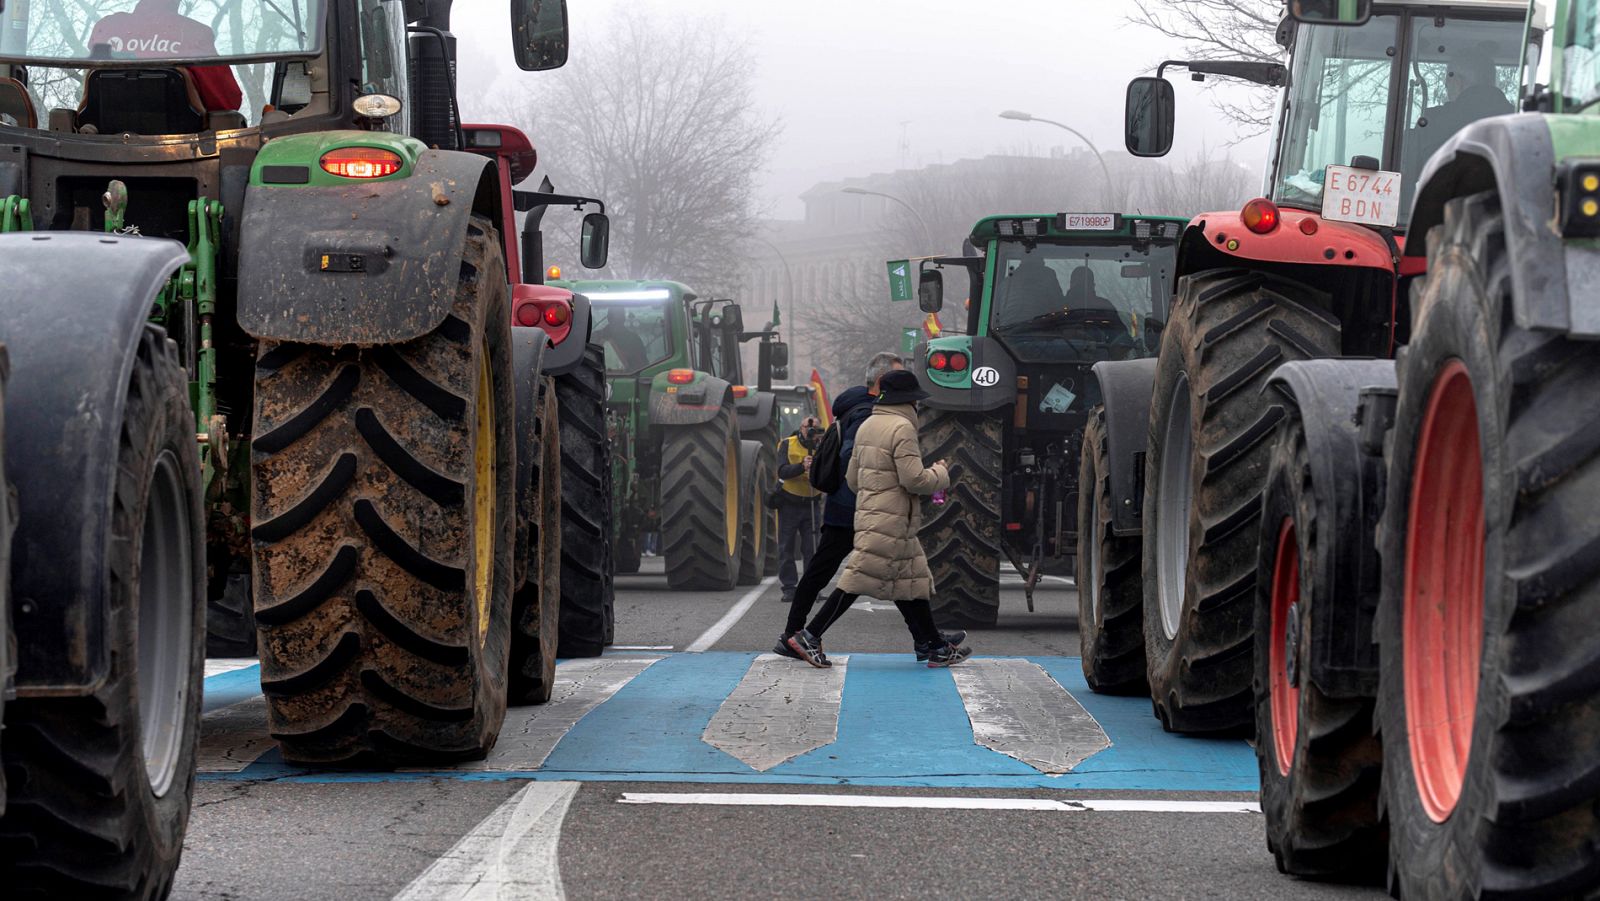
{"x":900,"y":724}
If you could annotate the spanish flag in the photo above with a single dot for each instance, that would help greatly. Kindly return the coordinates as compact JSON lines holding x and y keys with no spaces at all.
{"x":930,"y":326}
{"x":825,"y":406}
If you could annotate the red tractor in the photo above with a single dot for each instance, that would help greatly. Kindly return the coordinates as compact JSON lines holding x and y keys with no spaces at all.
{"x":575,"y":372}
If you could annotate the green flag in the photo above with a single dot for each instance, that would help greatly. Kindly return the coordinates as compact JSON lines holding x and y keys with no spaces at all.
{"x":908,"y":340}
{"x":775,"y":320}
{"x":900,"y":280}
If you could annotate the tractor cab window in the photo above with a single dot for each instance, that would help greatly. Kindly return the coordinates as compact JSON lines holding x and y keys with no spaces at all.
{"x":1443,"y":72}
{"x":634,"y":333}
{"x":1079,"y":301}
{"x":1580,"y":58}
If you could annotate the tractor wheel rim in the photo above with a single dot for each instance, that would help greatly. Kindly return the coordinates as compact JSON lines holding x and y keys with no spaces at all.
{"x":165,"y":623}
{"x":1285,"y":698}
{"x":758,"y":522}
{"x":730,"y":496}
{"x":483,"y":485}
{"x":1442,"y":625}
{"x":1096,"y":536}
{"x":1175,"y":493}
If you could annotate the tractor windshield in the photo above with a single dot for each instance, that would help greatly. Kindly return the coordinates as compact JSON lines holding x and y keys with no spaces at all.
{"x":1086,"y":302}
{"x":634,"y":333}
{"x":109,"y":33}
{"x":1441,"y":72}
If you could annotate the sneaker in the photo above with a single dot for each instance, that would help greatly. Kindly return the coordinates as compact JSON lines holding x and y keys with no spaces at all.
{"x":949,"y":655}
{"x":786,"y":596}
{"x":955,"y":638}
{"x":809,"y":650}
{"x":782,"y":649}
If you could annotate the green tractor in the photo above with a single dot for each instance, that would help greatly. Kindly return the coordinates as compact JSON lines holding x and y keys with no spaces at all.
{"x":1426,"y":680}
{"x":276,"y":341}
{"x":1051,"y":295}
{"x":694,"y":447}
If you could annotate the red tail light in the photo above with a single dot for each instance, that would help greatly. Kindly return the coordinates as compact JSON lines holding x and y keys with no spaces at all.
{"x":528,"y":314}
{"x":958,"y":362}
{"x":1308,"y":226}
{"x":361,"y":162}
{"x":939,"y":360}
{"x":556,"y":314}
{"x":1260,"y":216}
{"x":741,"y":390}
{"x":680,"y":376}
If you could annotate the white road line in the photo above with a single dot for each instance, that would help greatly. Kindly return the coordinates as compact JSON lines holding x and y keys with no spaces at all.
{"x":531,"y":733}
{"x":641,"y":647}
{"x":781,"y":709}
{"x":906,"y":802}
{"x":510,"y":856}
{"x":216,"y":666}
{"x":233,"y":737}
{"x":1018,"y":710}
{"x":720,"y":628}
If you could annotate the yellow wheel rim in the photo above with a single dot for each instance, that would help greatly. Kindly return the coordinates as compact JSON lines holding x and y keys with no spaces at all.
{"x":730,"y":495}
{"x":755,"y":512}
{"x":483,"y":483}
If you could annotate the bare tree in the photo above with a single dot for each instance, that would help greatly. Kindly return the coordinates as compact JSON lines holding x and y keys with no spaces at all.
{"x":1223,"y":30}
{"x":657,"y":119}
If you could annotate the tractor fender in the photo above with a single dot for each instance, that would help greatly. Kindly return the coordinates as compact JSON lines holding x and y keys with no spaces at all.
{"x":1125,"y":387}
{"x":1514,"y":155}
{"x":528,"y":353}
{"x":566,"y":355}
{"x":73,"y":335}
{"x":757,"y":410}
{"x":1344,"y":659}
{"x":1221,"y":239}
{"x":962,"y":392}
{"x":366,"y":263}
{"x":691,"y":404}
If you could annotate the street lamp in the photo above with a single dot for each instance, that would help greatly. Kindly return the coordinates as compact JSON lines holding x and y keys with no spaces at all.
{"x":927,"y":233}
{"x":1028,"y":117}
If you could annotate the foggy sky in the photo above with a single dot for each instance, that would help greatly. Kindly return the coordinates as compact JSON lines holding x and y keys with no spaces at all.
{"x":843,"y":75}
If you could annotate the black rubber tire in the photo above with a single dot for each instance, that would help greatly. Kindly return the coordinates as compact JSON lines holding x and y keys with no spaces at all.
{"x":231,"y":619}
{"x":962,"y":537}
{"x":1110,"y":633}
{"x":1322,"y":815}
{"x":757,"y":468}
{"x":8,"y":528}
{"x":82,"y":819}
{"x":371,"y":580}
{"x":587,"y":590}
{"x":536,"y":605}
{"x":1526,"y":823}
{"x":697,"y":462}
{"x":1229,"y":330}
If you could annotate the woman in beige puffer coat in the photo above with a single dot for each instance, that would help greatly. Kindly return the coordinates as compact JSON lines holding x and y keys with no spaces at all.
{"x":888,"y":477}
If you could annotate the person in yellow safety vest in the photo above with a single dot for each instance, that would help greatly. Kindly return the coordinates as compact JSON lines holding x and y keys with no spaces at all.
{"x":796,"y":520}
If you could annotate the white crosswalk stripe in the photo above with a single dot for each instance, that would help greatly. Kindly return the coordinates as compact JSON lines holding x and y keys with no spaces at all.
{"x":510,"y":856}
{"x":531,"y":733}
{"x":779,"y":711}
{"x":1018,"y":710}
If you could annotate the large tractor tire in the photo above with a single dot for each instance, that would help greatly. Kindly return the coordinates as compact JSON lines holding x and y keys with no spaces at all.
{"x":384,"y":495}
{"x":962,"y":536}
{"x":536,"y":605}
{"x":1487,"y":701}
{"x":100,"y":785}
{"x":8,"y":527}
{"x":587,"y":592}
{"x":231,"y":618}
{"x":760,"y":474}
{"x":1320,"y":762}
{"x":1110,"y":592}
{"x":701,"y":501}
{"x":1205,"y":469}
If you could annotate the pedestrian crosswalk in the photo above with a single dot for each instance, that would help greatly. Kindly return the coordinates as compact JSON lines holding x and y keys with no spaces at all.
{"x":872,"y":719}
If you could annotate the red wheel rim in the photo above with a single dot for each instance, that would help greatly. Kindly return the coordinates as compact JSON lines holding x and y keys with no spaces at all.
{"x":1443,"y":613}
{"x":1285,"y":691}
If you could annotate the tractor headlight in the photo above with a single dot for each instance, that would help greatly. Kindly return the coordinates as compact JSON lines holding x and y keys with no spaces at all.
{"x":1578,"y":198}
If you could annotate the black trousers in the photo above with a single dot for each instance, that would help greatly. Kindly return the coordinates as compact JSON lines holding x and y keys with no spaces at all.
{"x":794,"y":525}
{"x":918,"y":615}
{"x":834,"y":545}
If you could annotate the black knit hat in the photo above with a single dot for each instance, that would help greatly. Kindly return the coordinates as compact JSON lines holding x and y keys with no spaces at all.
{"x":900,"y":386}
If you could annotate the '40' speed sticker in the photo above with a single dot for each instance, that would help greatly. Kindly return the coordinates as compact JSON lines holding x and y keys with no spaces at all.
{"x":984,"y":376}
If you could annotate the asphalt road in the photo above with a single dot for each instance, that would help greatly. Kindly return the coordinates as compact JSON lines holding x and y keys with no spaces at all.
{"x":660,"y":780}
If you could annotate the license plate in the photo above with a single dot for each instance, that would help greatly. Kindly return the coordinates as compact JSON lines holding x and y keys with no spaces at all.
{"x":1364,"y":196}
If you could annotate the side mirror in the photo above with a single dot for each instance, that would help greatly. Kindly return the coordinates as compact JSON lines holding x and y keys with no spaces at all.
{"x":780,"y":356}
{"x":733,"y":318}
{"x":1148,"y":116}
{"x":594,"y":244}
{"x":930,"y":291}
{"x":1330,"y":12}
{"x":539,"y":34}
